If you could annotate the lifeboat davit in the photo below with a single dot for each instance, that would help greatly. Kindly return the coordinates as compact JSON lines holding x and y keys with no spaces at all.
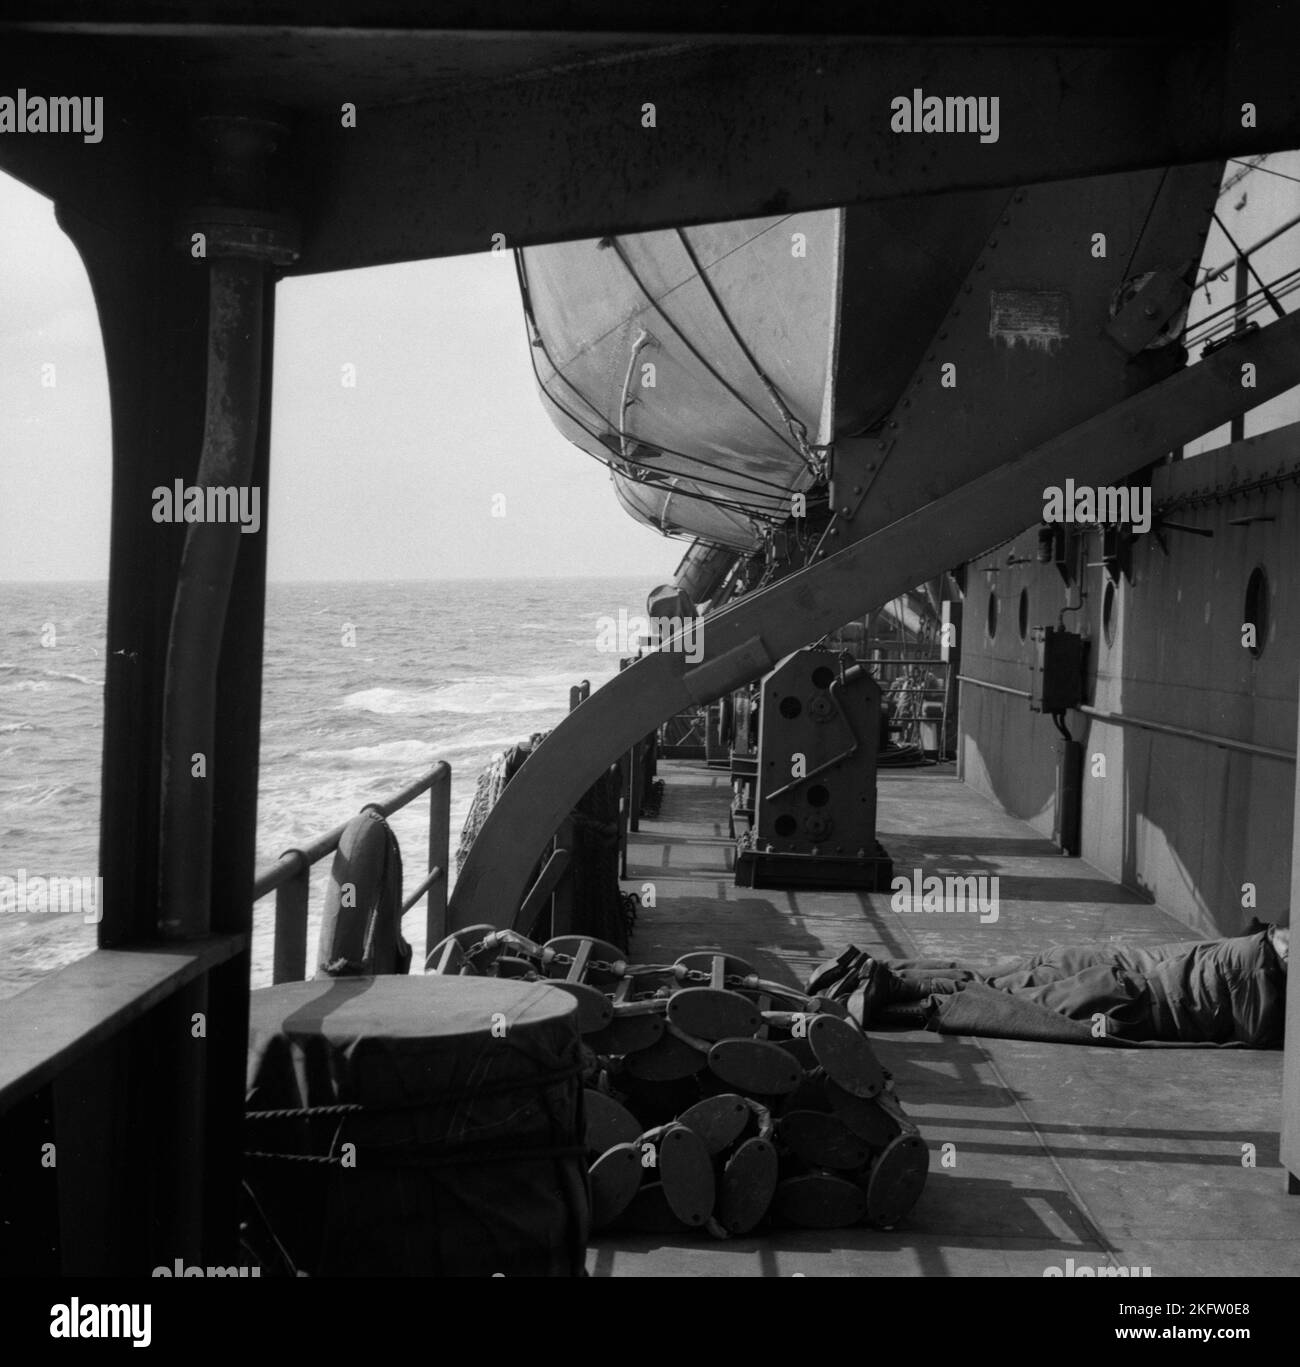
{"x":710,"y":368}
{"x":696,"y":363}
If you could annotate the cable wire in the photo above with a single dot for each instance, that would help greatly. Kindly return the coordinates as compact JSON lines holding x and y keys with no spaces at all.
{"x":1268,"y":170}
{"x":538,"y":342}
{"x":798,"y":430}
{"x":691,"y":347}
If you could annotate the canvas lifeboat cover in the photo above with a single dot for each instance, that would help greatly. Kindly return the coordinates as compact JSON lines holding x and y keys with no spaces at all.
{"x":698,"y":363}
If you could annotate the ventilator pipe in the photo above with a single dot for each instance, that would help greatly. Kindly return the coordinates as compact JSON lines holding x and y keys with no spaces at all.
{"x":207,"y":570}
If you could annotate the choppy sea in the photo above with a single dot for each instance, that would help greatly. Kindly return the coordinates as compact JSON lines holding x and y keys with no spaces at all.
{"x":455,"y":670}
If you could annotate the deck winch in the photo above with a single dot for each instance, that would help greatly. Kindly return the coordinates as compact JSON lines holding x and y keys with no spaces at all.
{"x":814,"y":806}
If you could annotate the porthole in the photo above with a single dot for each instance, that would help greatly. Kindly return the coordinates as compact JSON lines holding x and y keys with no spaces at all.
{"x":1023,"y":615}
{"x":790,"y":707}
{"x":1256,"y":610}
{"x":823,"y":677}
{"x":785,"y":825}
{"x":993,"y":614}
{"x":818,"y":795}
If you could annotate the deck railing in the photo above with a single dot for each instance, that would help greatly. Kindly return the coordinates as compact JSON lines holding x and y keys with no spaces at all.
{"x":290,"y":876}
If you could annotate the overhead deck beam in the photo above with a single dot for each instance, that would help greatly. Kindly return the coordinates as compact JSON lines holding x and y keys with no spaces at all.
{"x":761,"y":131}
{"x":744,"y":640}
{"x":456,"y":143}
{"x":1113,"y":19}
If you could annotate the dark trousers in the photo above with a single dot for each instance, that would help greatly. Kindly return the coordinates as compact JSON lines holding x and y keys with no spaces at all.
{"x":1078,"y":983}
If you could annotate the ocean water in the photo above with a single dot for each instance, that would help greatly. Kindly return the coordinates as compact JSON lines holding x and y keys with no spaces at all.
{"x":453,"y":670}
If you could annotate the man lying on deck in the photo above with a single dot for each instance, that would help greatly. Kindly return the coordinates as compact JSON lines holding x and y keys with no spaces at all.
{"x":1229,"y":991}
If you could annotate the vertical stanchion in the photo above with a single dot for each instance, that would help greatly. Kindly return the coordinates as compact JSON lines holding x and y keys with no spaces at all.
{"x":622,"y":817}
{"x":634,"y":787}
{"x":624,"y":800}
{"x":1241,"y":289}
{"x":562,"y":897}
{"x":290,"y":961}
{"x":439,"y":856}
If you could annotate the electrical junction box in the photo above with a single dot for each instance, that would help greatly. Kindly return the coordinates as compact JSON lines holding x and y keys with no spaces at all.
{"x":1056,"y":681}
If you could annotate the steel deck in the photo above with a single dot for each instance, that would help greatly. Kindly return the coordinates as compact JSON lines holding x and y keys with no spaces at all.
{"x":1109,"y":1157}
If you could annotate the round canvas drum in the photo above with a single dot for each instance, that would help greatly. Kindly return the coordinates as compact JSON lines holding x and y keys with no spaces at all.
{"x":448,"y":1111}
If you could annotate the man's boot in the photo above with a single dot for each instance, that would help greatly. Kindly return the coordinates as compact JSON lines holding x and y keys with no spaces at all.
{"x":827,"y":979}
{"x":877,"y":986}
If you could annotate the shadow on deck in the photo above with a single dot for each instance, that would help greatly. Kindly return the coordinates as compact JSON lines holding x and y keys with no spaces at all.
{"x":1128,"y":1159}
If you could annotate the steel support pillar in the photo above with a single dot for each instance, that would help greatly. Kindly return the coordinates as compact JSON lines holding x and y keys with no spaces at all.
{"x":1290,"y":1140}
{"x":149,"y":1123}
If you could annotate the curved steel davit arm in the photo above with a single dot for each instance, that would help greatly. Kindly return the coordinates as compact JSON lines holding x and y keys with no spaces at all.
{"x":744,"y":640}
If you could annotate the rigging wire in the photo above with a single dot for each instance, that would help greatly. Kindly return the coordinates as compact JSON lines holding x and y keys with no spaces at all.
{"x":755,"y":512}
{"x":1151,"y":208}
{"x":1232,"y":315}
{"x":798,"y":430}
{"x":1268,"y":170}
{"x":654,"y":479}
{"x":1245,"y":259}
{"x":658,"y":479}
{"x":691,"y":347}
{"x":537,"y":341}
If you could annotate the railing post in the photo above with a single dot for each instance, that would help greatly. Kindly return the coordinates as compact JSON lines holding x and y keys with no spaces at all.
{"x":439,"y":857}
{"x":634,"y":787}
{"x":562,"y":897}
{"x":622,"y":820}
{"x":290,"y":963}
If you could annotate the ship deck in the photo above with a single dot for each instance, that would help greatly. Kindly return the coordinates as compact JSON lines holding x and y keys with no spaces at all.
{"x":1127,"y":1158}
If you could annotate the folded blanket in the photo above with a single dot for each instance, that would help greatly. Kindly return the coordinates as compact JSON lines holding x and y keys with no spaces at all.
{"x":981,"y":1010}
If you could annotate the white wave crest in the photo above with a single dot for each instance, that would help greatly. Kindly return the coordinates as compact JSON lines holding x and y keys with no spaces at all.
{"x":477,"y":696}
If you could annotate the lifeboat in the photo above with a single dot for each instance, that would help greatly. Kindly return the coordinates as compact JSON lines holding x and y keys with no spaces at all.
{"x":712,"y":368}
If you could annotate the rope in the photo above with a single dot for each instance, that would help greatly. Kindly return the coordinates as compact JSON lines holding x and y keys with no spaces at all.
{"x":656,"y":479}
{"x":539,"y":343}
{"x":513,"y":1084}
{"x":1245,"y":259}
{"x":699,"y":356}
{"x":345,"y":968}
{"x":1137,"y":241}
{"x":455,"y":1158}
{"x":305,"y":1112}
{"x":286,"y":1262}
{"x":1259,"y":166}
{"x":1235,"y":314}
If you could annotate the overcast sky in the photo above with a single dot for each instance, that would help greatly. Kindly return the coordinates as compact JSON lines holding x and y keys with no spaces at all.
{"x":394,"y":479}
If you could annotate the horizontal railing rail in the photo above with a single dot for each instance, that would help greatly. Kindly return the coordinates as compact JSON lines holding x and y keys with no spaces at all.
{"x":290,"y":876}
{"x":1244,"y":747}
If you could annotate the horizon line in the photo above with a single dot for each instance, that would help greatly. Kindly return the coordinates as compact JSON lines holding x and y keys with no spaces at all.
{"x":445,"y":579}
